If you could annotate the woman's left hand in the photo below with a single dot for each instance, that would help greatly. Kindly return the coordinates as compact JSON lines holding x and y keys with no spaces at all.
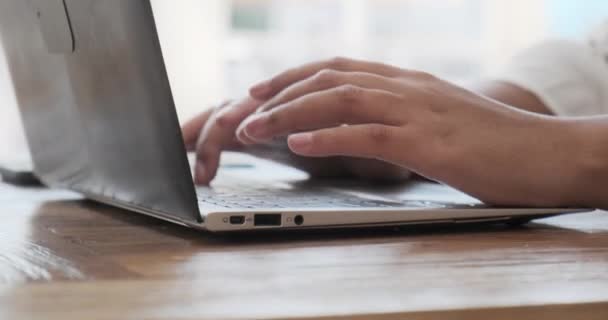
{"x":344,"y":107}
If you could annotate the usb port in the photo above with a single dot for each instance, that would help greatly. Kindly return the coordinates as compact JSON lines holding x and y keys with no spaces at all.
{"x":237,"y":219}
{"x":269,"y":219}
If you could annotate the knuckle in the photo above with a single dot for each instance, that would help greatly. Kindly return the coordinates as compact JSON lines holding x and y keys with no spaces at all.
{"x":216,"y":119}
{"x":395,"y":101}
{"x":338,"y":63}
{"x":425,"y":76}
{"x":208,"y":113}
{"x":326,"y":77}
{"x":378,"y":134}
{"x":221,"y":120}
{"x":275,"y":81}
{"x":350,"y":93}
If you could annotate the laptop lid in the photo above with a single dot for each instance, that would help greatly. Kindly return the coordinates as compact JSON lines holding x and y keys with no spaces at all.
{"x":95,"y":101}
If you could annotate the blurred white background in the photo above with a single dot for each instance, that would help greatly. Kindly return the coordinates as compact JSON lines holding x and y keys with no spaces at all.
{"x":216,"y":49}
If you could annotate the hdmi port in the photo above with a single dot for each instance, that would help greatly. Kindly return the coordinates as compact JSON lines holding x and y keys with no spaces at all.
{"x":267,"y":220}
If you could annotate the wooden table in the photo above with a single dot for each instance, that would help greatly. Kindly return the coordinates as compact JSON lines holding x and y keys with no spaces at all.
{"x":62,"y":257}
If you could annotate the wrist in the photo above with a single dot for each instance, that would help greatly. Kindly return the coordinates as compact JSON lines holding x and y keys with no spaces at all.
{"x":590,"y":162}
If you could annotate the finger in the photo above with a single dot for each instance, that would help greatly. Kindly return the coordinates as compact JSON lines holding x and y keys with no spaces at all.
{"x":326,"y":79}
{"x":231,"y":117}
{"x":192,"y":128}
{"x":218,"y":135}
{"x":373,"y":141}
{"x":342,"y":105}
{"x":269,"y":88}
{"x":234,"y":113}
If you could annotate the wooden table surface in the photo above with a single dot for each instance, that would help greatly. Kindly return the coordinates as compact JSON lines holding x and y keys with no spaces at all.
{"x":62,"y":257}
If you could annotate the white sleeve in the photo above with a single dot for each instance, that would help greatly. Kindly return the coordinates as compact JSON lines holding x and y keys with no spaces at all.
{"x":570,"y":78}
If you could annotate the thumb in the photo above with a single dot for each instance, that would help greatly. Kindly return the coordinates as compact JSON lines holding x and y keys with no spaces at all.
{"x":372,"y":141}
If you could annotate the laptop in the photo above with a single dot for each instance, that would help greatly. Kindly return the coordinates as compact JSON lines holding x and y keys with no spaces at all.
{"x":100,"y":120}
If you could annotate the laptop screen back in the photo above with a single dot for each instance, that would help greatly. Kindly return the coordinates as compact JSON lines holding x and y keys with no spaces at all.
{"x":96,"y":103}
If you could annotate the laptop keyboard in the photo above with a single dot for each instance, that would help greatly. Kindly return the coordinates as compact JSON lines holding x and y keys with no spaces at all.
{"x":245,"y":196}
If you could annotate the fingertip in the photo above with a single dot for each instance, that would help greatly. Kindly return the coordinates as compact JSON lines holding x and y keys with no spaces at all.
{"x":300,"y":143}
{"x":244,"y":138}
{"x":241,"y":134}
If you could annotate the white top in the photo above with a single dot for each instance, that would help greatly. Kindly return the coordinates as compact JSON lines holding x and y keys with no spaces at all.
{"x":571,"y":78}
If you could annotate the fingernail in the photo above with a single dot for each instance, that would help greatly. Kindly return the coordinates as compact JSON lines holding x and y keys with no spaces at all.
{"x":260,"y":109}
{"x":242,"y":138}
{"x":257,"y":128}
{"x":261,"y":89}
{"x":300,"y":142}
{"x":199,"y":173}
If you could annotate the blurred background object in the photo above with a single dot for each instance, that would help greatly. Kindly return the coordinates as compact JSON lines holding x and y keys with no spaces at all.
{"x":216,"y":49}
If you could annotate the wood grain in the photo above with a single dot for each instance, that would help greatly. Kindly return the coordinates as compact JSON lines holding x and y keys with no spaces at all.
{"x":62,"y":257}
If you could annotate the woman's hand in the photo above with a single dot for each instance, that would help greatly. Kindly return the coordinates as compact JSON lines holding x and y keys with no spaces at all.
{"x":213,"y":131}
{"x":344,"y":107}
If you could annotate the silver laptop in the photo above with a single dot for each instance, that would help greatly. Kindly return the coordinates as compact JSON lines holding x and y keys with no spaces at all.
{"x":100,"y":120}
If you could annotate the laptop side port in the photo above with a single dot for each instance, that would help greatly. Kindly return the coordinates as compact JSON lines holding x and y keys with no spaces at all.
{"x":267,"y":219}
{"x":237,"y":219}
{"x":298,"y":220}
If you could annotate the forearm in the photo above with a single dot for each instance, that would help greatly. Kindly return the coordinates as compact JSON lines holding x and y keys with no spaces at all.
{"x":588,"y":154}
